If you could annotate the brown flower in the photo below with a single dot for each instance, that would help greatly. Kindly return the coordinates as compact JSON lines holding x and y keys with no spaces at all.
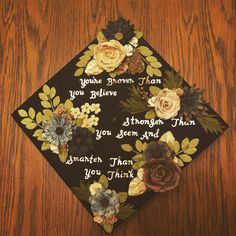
{"x":161,"y":175}
{"x":135,"y":63}
{"x":61,"y":111}
{"x":109,"y":55}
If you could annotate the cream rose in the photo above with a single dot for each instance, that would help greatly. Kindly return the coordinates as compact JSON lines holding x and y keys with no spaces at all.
{"x":166,"y":103}
{"x":94,"y":188}
{"x":109,"y":55}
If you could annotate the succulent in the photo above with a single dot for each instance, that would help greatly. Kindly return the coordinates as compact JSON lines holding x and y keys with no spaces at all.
{"x":120,"y":30}
{"x":192,"y":103}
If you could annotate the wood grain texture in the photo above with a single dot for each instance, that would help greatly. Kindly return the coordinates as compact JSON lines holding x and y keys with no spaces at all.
{"x":38,"y":37}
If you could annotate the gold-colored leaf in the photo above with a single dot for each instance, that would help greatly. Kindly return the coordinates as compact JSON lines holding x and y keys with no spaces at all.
{"x":39,"y":117}
{"x":52,"y":92}
{"x":45,"y":104}
{"x":126,"y":147}
{"x":156,"y":64}
{"x":89,"y":53}
{"x":154,"y":90}
{"x":150,"y":114}
{"x":31,"y":126}
{"x":46,"y":89}
{"x":167,"y":137}
{"x":136,"y":187}
{"x":157,"y":72}
{"x":180,"y":162}
{"x":37,"y":132}
{"x":139,"y":145}
{"x":185,"y":143}
{"x":22,"y":113}
{"x":185,"y":158}
{"x":103,"y":181}
{"x":138,"y":34}
{"x":138,"y":165}
{"x":151,"y":59}
{"x":31,"y":113}
{"x":85,"y":58}
{"x":92,"y":46}
{"x":193,"y":143}
{"x":113,"y":74}
{"x":137,"y":157}
{"x":149,"y":70}
{"x":45,"y":146}
{"x":100,"y":37}
{"x":145,"y":51}
{"x":123,"y":196}
{"x":79,"y":72}
{"x":43,"y":96}
{"x":26,"y":121}
{"x":56,"y":101}
{"x":108,"y":228}
{"x":68,"y":104}
{"x":145,"y":145}
{"x":63,"y":156}
{"x":81,"y":63}
{"x":176,"y":146}
{"x":190,"y":151}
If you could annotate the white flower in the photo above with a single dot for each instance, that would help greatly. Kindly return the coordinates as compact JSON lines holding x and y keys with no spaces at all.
{"x":75,"y":112}
{"x":93,"y":188}
{"x":54,"y":148}
{"x":95,"y":107}
{"x":92,"y":68}
{"x":134,"y":42}
{"x":129,"y":50}
{"x":93,"y":120}
{"x":85,"y":108}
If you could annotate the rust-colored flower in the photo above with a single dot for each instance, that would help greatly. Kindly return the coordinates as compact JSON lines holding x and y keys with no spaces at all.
{"x":161,"y":175}
{"x":61,"y":111}
{"x":111,"y":219}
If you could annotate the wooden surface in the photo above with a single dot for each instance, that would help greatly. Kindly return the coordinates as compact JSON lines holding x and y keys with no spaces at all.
{"x":38,"y":37}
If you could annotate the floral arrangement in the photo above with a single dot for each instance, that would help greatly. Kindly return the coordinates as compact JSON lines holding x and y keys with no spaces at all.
{"x":61,"y":127}
{"x":107,"y":205}
{"x":158,"y":163}
{"x":118,"y":51}
{"x":172,"y":100}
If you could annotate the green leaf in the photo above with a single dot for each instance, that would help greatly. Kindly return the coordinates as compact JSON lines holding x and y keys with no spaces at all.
{"x":180,"y":162}
{"x":52,"y":92}
{"x":63,"y":156}
{"x":185,"y":158}
{"x":185,"y":143}
{"x":46,"y":89}
{"x":46,"y":104}
{"x":68,"y":104}
{"x":150,"y":114}
{"x":137,"y":165}
{"x":149,"y":70}
{"x":31,"y":113}
{"x":103,"y":181}
{"x":43,"y":96}
{"x":156,"y":64}
{"x":92,"y":46}
{"x":108,"y":228}
{"x":154,"y":90}
{"x":193,"y":143}
{"x":138,"y":145}
{"x":137,"y":157}
{"x":79,"y":72}
{"x":123,"y":196}
{"x":151,"y":59}
{"x":82,"y":192}
{"x":190,"y":151}
{"x":31,"y":126}
{"x":176,"y":146}
{"x":81,"y":63}
{"x":26,"y":121}
{"x":145,"y":51}
{"x":125,"y":212}
{"x":138,"y":34}
{"x":173,"y":80}
{"x":126,"y":147}
{"x":56,"y":101}
{"x":22,"y":113}
{"x":37,"y":132}
{"x":39,"y":117}
{"x":157,"y":72}
{"x":45,"y":146}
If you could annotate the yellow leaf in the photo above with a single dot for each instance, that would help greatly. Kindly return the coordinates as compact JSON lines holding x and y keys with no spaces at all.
{"x":39,"y":117}
{"x":45,"y":104}
{"x":156,"y":64}
{"x":89,"y":53}
{"x":136,"y":187}
{"x":149,"y":70}
{"x":137,"y":157}
{"x":81,"y":63}
{"x":100,"y":37}
{"x":145,"y":51}
{"x":157,"y":72}
{"x":185,"y":158}
{"x":45,"y":146}
{"x":85,"y":58}
{"x":176,"y":146}
{"x":185,"y":143}
{"x":138,"y":145}
{"x":68,"y":104}
{"x":167,"y":137}
{"x":122,"y":196}
{"x":150,"y":114}
{"x":151,"y":59}
{"x":46,"y":89}
{"x":31,"y":113}
{"x":154,"y":90}
{"x":63,"y":156}
{"x":190,"y":151}
{"x":37,"y":132}
{"x":22,"y":113}
{"x":193,"y":143}
{"x":31,"y":126}
{"x":56,"y":101}
{"x":126,"y":147}
{"x":26,"y":121}
{"x":52,"y":92}
{"x":138,"y":34}
{"x":79,"y":72}
{"x":92,"y":46}
{"x":180,"y":162}
{"x":108,"y":228}
{"x":137,"y":165}
{"x":43,"y":96}
{"x":103,"y":181}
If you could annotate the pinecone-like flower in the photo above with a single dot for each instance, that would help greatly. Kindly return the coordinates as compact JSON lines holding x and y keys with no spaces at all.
{"x":192,"y":103}
{"x":135,"y":63}
{"x":120,"y":30}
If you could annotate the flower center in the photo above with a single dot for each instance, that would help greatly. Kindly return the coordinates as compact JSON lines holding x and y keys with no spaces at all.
{"x":104,"y":202}
{"x":59,"y":130}
{"x":119,"y":36}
